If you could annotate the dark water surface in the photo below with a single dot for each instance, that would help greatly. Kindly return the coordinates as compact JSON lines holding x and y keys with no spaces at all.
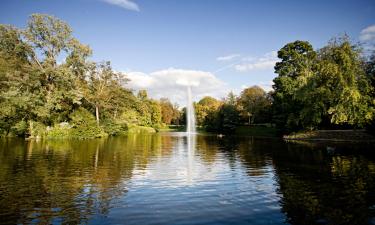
{"x":169,"y":178}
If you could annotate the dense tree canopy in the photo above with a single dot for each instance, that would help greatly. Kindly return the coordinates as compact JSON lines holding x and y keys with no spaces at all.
{"x":321,"y":89}
{"x":50,"y":87}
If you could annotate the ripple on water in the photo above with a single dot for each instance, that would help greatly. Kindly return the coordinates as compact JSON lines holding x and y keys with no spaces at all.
{"x":156,"y":180}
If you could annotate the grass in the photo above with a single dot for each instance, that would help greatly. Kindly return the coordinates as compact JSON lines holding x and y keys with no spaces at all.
{"x":172,"y":128}
{"x":332,"y":135}
{"x":140,"y":130}
{"x":257,"y":131}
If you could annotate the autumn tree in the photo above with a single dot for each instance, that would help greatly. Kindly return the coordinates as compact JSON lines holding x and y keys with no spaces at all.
{"x":169,"y":112}
{"x":204,"y":107}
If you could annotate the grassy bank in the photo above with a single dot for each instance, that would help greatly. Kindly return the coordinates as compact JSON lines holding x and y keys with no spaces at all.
{"x":332,"y":135}
{"x":173,"y":128}
{"x":257,"y":131}
{"x":140,"y":130}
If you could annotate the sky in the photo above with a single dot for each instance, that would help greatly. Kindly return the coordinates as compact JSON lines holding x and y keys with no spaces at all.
{"x":216,"y":46}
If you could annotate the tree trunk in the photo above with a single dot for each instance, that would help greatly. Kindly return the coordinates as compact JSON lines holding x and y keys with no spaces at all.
{"x":97,"y":114}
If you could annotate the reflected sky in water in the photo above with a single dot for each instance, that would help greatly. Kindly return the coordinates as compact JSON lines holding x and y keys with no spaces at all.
{"x":167,"y":179}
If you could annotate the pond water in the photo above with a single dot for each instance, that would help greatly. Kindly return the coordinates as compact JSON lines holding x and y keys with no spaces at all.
{"x":169,"y":178}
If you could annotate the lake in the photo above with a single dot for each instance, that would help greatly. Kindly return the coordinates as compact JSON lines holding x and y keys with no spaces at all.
{"x":170,"y":178}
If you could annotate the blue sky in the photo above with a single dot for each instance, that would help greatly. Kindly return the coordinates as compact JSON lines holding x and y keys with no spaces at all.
{"x":222,"y":44}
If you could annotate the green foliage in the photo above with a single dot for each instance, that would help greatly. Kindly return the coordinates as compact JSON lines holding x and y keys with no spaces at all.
{"x":60,"y":131}
{"x":20,"y":128}
{"x":228,"y":117}
{"x":323,"y":89}
{"x":255,"y":105}
{"x":114,"y":128}
{"x":38,"y":95}
{"x":296,"y":66}
{"x":341,"y":77}
{"x":225,"y":119}
{"x":140,"y":130}
{"x":37,"y":129}
{"x":84,"y":125}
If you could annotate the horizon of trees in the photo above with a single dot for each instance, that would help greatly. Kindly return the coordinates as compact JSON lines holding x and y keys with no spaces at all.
{"x":50,"y":88}
{"x":328,"y":88}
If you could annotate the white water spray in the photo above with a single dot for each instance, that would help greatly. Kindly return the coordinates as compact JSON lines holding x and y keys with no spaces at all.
{"x":190,"y":113}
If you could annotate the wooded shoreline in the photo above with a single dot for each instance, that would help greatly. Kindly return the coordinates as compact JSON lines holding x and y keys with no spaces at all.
{"x":50,"y":88}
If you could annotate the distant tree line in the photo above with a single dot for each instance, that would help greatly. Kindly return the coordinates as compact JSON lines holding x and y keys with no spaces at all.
{"x":50,"y":88}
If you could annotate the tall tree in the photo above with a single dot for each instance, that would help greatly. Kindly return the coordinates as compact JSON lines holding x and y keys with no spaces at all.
{"x":102,"y":85}
{"x":51,"y":39}
{"x":294,"y":70}
{"x":343,"y":81}
{"x":16,"y":83}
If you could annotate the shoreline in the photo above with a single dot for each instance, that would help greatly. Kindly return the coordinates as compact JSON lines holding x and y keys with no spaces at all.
{"x":331,"y":135}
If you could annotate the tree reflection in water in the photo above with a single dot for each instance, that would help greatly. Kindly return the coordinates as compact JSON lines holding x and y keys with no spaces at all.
{"x":59,"y":181}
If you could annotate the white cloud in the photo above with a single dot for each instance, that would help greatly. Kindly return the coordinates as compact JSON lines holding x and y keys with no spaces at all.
{"x":228,"y":57}
{"x":126,"y":4}
{"x":171,"y":83}
{"x":368,"y":34}
{"x":267,"y":61}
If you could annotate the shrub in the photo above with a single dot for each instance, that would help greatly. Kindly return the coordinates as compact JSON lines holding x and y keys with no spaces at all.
{"x":84,"y":125}
{"x":36,"y":129}
{"x":114,"y":128}
{"x":20,"y":128}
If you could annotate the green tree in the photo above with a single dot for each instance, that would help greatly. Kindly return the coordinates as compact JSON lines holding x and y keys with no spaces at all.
{"x":50,"y":39}
{"x":294,"y":70}
{"x":342,"y":81}
{"x":102,"y":86}
{"x":16,"y":84}
{"x":226,"y":118}
{"x":45,"y":75}
{"x":254,"y":104}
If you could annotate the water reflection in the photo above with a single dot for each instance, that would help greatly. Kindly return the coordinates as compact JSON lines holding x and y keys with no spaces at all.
{"x":177,"y":179}
{"x":319,"y":187}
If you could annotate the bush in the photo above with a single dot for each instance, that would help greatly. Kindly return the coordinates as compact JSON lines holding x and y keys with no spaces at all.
{"x":37,"y":129}
{"x":84,"y":125}
{"x":59,"y":132}
{"x":114,"y":128}
{"x":20,"y":128}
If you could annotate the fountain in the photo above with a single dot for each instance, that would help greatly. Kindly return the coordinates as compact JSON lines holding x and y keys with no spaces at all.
{"x":190,"y":130}
{"x":190,"y":114}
